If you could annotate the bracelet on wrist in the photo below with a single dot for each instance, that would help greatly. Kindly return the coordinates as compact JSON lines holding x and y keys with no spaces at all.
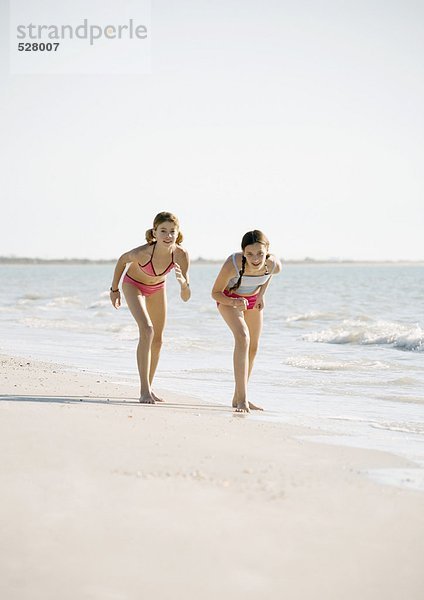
{"x":114,"y":291}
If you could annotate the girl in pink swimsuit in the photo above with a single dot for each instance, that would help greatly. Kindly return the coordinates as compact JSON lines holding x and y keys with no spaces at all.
{"x":144,"y":288}
{"x":239,"y":291}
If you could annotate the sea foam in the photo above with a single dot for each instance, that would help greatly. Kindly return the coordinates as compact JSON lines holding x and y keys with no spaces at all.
{"x":380,"y":333}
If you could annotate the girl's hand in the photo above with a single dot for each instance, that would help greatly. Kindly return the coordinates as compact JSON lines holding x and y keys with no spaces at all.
{"x":179,"y":275}
{"x":239,"y":303}
{"x":260,"y":303}
{"x":115,"y":298}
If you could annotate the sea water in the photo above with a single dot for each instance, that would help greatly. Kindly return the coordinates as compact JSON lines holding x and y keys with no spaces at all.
{"x":342,"y":349}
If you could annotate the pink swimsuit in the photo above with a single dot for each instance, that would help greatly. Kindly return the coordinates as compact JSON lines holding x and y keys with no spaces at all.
{"x":251,"y":300}
{"x":249,"y":284}
{"x":149,"y":269}
{"x":145,"y":288}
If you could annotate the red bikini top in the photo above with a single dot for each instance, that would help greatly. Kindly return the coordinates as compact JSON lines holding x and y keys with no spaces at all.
{"x":149,"y":269}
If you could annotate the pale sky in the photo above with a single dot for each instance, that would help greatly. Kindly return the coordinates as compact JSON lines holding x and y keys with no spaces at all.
{"x":300,"y":118}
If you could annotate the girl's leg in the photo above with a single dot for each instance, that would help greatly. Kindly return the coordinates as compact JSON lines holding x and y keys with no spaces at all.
{"x":235,"y":321}
{"x":156,"y":307}
{"x":254,"y":321}
{"x":136,"y":304}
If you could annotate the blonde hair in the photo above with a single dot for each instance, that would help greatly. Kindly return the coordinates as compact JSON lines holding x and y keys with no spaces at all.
{"x":160,"y":218}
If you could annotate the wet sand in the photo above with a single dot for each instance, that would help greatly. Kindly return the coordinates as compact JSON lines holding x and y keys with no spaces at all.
{"x":104,"y":498}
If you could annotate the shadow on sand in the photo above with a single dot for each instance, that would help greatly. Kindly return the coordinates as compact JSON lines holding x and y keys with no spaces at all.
{"x":109,"y":401}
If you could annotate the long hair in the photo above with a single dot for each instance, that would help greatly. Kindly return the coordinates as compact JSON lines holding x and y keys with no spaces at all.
{"x":160,"y":218}
{"x":251,"y":237}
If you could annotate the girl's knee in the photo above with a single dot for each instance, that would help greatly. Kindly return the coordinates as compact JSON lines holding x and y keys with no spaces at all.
{"x":242,"y":338}
{"x":147,"y":331}
{"x":157,"y":342}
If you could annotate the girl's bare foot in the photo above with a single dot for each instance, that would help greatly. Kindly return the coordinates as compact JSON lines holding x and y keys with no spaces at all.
{"x":254,"y":407}
{"x":242,"y":407}
{"x":146,"y":399}
{"x":156,"y":398}
{"x":251,"y":405}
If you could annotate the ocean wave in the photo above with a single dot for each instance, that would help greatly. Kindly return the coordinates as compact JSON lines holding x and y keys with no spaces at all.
{"x":378,"y":333}
{"x":32,"y":296}
{"x":185,"y":343}
{"x":91,"y":327}
{"x":36,"y":322}
{"x":7,"y":309}
{"x":405,"y":398}
{"x":210,"y":310}
{"x":25,"y":302}
{"x":208,"y":370}
{"x":417,"y":428}
{"x":313,"y":315}
{"x":402,"y":381}
{"x":99,"y":304}
{"x":64,"y":301}
{"x":314,"y":363}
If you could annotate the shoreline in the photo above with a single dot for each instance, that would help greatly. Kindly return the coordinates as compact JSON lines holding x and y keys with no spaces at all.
{"x":26,"y":261}
{"x":408,"y":474}
{"x":104,"y":497}
{"x":90,"y":385}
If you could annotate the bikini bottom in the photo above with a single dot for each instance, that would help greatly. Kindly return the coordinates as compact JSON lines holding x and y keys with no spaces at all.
{"x":251,"y":300}
{"x":145,"y":288}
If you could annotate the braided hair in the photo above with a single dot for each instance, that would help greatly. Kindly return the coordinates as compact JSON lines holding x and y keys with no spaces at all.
{"x":251,"y":237}
{"x":241,"y":272}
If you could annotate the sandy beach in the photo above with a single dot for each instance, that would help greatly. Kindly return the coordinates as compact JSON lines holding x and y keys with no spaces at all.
{"x":103,"y":498}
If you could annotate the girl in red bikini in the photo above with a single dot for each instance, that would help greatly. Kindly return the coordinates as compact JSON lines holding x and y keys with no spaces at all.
{"x":144,"y":289}
{"x":239,"y":291}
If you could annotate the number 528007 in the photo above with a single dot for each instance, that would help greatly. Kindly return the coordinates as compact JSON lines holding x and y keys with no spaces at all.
{"x":38,"y":46}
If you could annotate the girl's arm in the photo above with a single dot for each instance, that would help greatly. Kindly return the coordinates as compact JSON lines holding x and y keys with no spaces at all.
{"x":225,"y":274}
{"x":181,"y":273}
{"x":115,"y":294}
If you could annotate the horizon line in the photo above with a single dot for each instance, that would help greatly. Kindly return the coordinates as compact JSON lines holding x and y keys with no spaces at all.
{"x":307,"y":260}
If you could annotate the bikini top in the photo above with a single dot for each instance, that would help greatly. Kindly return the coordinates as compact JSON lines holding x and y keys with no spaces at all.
{"x":249,"y":283}
{"x":149,"y":269}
